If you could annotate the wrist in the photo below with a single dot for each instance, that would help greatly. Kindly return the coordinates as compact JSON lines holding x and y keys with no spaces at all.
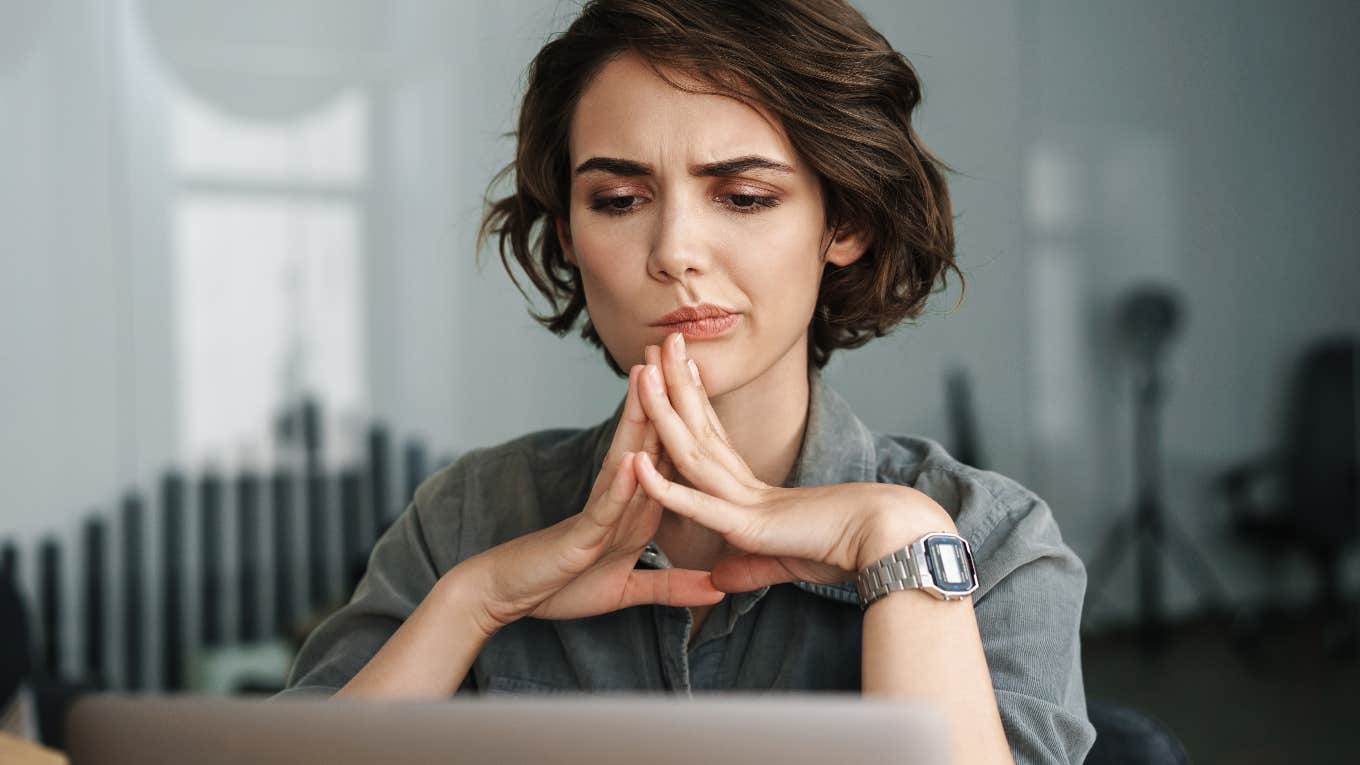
{"x":461,"y":593}
{"x":902,"y":517}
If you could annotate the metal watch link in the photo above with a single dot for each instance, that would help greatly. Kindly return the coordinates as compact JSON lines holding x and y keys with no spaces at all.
{"x":939,"y":563}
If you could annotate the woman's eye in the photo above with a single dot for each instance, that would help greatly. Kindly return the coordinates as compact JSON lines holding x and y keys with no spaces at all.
{"x":739,"y":203}
{"x":748,"y":203}
{"x":614,"y":205}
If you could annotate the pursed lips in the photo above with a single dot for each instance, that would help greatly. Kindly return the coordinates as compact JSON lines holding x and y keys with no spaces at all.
{"x":693,"y":313}
{"x":704,"y":327}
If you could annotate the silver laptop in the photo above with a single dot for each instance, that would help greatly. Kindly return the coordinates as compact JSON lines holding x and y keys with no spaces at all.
{"x":577,"y":729}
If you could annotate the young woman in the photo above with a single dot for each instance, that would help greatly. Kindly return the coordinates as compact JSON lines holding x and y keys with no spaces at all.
{"x":730,"y":192}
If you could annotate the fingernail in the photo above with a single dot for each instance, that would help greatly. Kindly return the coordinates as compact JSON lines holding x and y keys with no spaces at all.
{"x":680,"y":344}
{"x":654,"y":373}
{"x":694,"y":372}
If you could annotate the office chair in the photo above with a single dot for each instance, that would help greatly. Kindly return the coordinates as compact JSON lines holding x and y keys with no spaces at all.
{"x":1315,"y":506}
{"x":1126,"y":736}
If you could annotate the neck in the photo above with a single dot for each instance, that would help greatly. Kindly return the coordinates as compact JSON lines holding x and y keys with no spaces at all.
{"x":764,"y":420}
{"x":766,"y":417}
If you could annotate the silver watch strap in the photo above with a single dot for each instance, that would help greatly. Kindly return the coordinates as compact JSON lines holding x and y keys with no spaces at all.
{"x":892,"y":572}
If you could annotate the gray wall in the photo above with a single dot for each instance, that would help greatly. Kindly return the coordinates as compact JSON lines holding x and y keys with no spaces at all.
{"x":1210,"y":145}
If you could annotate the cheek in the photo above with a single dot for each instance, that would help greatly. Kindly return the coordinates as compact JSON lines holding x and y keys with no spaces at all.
{"x":601,"y":250}
{"x":604,"y":251}
{"x":606,"y":295}
{"x":784,"y":281}
{"x":611,"y":288}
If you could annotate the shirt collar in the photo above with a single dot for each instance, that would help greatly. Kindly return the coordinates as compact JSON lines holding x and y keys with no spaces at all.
{"x":836,"y":448}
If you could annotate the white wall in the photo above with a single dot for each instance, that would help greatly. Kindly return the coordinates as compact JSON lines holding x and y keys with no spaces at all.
{"x":85,"y":383}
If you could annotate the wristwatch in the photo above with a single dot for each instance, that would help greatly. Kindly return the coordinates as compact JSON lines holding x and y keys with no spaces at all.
{"x":939,"y":563}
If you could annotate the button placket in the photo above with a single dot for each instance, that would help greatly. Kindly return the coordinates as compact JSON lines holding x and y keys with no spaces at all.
{"x":672,"y":630}
{"x":673,"y":624}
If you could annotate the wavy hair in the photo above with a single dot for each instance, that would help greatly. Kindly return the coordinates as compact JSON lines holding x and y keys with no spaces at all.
{"x":844,"y":98}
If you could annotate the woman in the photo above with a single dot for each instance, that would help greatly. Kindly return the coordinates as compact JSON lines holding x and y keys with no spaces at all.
{"x":731,"y":192}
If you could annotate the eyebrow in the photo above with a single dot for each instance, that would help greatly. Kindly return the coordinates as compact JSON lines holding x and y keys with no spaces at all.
{"x":721,"y":169}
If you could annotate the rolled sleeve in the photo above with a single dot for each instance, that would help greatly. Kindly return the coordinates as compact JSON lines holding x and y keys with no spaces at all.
{"x":1028,"y":608}
{"x":1029,"y":618}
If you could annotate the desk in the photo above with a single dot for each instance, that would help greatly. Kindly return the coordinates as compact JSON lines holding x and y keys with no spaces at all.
{"x":17,"y":751}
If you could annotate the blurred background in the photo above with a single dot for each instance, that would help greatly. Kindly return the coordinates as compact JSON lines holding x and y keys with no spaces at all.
{"x":241,"y":316}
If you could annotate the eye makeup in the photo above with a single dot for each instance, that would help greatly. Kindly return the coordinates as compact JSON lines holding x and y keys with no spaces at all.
{"x":742,"y":204}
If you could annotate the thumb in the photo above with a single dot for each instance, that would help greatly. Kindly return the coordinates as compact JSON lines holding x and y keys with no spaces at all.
{"x":750,"y":571}
{"x":670,"y":587}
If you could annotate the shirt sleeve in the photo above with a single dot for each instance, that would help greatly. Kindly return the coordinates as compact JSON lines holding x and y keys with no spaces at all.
{"x":399,"y":575}
{"x":1028,"y":611}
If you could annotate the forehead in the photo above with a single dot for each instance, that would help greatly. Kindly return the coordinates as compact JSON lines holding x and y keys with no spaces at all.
{"x":628,"y":111}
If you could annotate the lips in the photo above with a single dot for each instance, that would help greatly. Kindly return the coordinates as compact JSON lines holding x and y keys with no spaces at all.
{"x":693,"y":314}
{"x":699,"y":322}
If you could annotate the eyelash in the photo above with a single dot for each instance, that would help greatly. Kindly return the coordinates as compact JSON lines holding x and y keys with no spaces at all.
{"x":758,"y":203}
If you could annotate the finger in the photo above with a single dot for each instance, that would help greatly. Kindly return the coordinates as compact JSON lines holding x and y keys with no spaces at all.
{"x":746,"y":572}
{"x":601,"y":516}
{"x":651,"y":355}
{"x":651,"y":442}
{"x":713,"y":420}
{"x":661,"y":464}
{"x":670,"y":587}
{"x":696,"y":461}
{"x":684,"y":385}
{"x":667,"y":471}
{"x":706,"y":510}
{"x":664,"y":466}
{"x":681,"y":388}
{"x":631,"y":434}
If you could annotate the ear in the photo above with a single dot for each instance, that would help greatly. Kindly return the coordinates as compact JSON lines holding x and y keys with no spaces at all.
{"x":849,"y":241}
{"x":564,"y":239}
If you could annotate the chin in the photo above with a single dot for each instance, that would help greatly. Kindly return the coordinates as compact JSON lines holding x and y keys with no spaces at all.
{"x":720,"y":376}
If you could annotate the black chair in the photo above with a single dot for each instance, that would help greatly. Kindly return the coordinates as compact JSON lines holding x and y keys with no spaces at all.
{"x":1305,"y":496}
{"x":1126,"y":736}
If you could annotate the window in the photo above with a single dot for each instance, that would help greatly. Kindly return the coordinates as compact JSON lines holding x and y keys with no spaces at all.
{"x":268,"y":224}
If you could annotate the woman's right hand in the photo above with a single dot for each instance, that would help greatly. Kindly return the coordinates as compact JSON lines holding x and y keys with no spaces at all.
{"x":584,"y":565}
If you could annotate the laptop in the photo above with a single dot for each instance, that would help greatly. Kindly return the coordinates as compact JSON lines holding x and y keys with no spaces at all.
{"x":577,"y":729}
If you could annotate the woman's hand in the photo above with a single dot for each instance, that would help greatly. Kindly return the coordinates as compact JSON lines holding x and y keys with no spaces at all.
{"x":819,"y":534}
{"x":584,"y":565}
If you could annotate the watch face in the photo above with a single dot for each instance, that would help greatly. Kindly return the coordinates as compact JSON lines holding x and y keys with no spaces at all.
{"x":949,"y":563}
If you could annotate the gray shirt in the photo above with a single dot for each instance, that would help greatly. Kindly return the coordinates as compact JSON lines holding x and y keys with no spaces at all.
{"x":790,"y":637}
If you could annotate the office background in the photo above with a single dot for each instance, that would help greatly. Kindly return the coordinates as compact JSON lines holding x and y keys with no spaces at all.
{"x":210,"y":210}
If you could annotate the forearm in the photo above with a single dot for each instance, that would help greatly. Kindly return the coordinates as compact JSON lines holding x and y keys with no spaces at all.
{"x":430,"y":654}
{"x":916,"y":646}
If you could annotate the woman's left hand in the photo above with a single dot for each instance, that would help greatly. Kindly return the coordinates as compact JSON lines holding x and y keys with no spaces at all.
{"x":819,"y":534}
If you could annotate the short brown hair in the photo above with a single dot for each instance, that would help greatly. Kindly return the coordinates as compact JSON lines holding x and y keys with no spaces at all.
{"x":844,"y":98}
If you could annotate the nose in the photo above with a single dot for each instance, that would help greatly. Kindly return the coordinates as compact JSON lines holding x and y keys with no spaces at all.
{"x":678,"y":249}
